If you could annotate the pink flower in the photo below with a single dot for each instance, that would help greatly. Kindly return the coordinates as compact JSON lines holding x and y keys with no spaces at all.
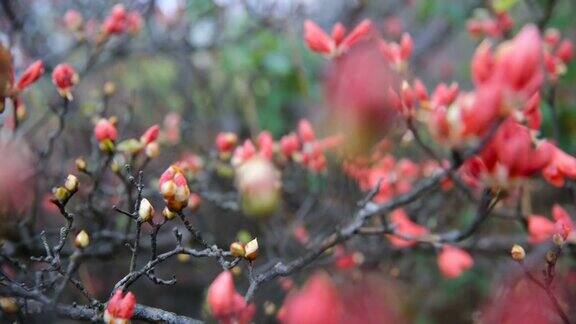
{"x":120,"y":307}
{"x":560,"y":167}
{"x":150,"y":135}
{"x":453,"y":261}
{"x":30,"y":75}
{"x":289,"y":144}
{"x":540,"y":228}
{"x":403,"y":226}
{"x":336,"y":44}
{"x":226,"y":304}
{"x":174,"y":188}
{"x":398,"y":54}
{"x":317,"y":302}
{"x":64,"y":78}
{"x":105,"y":130}
{"x":305,"y":131}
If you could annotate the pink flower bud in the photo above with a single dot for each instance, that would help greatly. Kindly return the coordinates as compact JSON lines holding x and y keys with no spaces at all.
{"x":565,"y":51}
{"x":305,"y":131}
{"x":338,"y":33}
{"x":406,"y":46}
{"x":115,"y":23}
{"x":316,"y":39}
{"x":289,"y":144}
{"x":404,"y":227}
{"x":226,"y":304}
{"x":105,"y":130}
{"x":357,"y":34}
{"x":120,"y":307}
{"x":150,"y":135}
{"x":540,"y":228}
{"x":226,"y":141}
{"x":259,"y":184}
{"x":174,"y":188}
{"x":30,"y":75}
{"x":453,"y":261}
{"x":64,"y":78}
{"x":73,"y":20}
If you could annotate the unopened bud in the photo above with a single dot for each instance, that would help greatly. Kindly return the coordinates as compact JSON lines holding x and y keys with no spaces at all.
{"x":106,"y":146}
{"x":61,"y":193}
{"x":146,"y":211}
{"x":152,"y":150}
{"x":251,"y":249}
{"x":115,"y":167}
{"x":109,"y":88}
{"x":81,"y":165}
{"x":82,"y":240}
{"x":168,"y":214}
{"x":237,"y":250}
{"x":9,"y":305}
{"x":71,"y":183}
{"x":183,"y":257}
{"x":518,"y":252}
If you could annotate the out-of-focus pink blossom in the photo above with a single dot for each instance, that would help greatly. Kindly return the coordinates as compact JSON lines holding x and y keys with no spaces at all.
{"x":150,"y":135}
{"x":120,"y":308}
{"x":403,"y":226}
{"x":226,"y":304}
{"x":453,"y":261}
{"x":64,"y":78}
{"x":30,"y":75}
{"x":336,"y":44}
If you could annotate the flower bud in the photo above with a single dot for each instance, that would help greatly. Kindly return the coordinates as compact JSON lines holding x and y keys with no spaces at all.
{"x":81,"y":164}
{"x":106,"y":146}
{"x":150,"y":135}
{"x":105,"y":130}
{"x":71,"y":183}
{"x":258,"y":182}
{"x":9,"y":305}
{"x":115,"y":167}
{"x":64,"y":78}
{"x":152,"y":150}
{"x":168,"y":214}
{"x":237,"y":250}
{"x":518,"y":252}
{"x":146,"y":211}
{"x":225,"y":142}
{"x":251,"y":249}
{"x":61,"y":194}
{"x":174,"y":188}
{"x":120,"y":308}
{"x":109,"y":88}
{"x":82,"y":240}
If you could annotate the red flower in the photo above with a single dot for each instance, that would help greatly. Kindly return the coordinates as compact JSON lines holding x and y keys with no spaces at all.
{"x":453,"y":261}
{"x":150,"y":135}
{"x":226,"y":304}
{"x":64,"y":78}
{"x":174,"y":188}
{"x":560,"y":167}
{"x":105,"y":130}
{"x":317,"y":302}
{"x":336,"y":44}
{"x":30,"y":75}
{"x":120,"y":307}
{"x":403,"y":226}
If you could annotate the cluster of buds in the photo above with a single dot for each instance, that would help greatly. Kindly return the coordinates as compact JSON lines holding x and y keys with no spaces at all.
{"x":63,"y":193}
{"x":453,"y":261}
{"x":120,"y":308}
{"x":226,"y":304}
{"x":259,"y":184}
{"x":557,"y":53}
{"x":248,"y":251}
{"x":106,"y":133}
{"x":174,"y":189}
{"x":65,"y":78}
{"x":397,"y":54}
{"x":485,"y":24}
{"x":145,"y":211}
{"x":338,"y":42}
{"x":119,"y":21}
{"x":82,"y":240}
